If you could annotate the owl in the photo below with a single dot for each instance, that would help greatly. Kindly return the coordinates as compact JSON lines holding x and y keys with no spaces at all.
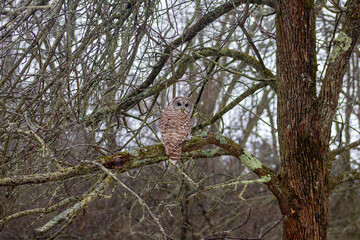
{"x":175,"y":125}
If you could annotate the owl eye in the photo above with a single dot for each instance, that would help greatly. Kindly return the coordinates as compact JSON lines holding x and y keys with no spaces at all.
{"x":179,"y":104}
{"x":186,"y":105}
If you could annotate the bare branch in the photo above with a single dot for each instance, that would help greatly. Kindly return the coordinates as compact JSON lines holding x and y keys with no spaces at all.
{"x":342,"y":149}
{"x":230,"y":106}
{"x":70,"y":213}
{"x":140,"y":200}
{"x":343,"y":178}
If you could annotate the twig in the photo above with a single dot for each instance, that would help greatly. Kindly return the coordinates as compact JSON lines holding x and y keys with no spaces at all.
{"x":196,"y":185}
{"x":141,"y":201}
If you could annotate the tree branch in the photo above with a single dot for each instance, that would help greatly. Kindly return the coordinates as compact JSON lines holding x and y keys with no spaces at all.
{"x":344,"y":177}
{"x":71,"y":213}
{"x":50,"y":209}
{"x":140,"y":157}
{"x":340,"y":150}
{"x":140,"y":200}
{"x":134,"y":97}
{"x":343,"y":46}
{"x":230,"y":106}
{"x":248,"y":59}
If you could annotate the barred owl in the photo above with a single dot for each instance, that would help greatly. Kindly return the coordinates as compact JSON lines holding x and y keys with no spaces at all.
{"x":175,"y":125}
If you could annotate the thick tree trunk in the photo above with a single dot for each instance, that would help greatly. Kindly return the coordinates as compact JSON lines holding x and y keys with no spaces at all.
{"x":305,"y":119}
{"x":302,"y":148}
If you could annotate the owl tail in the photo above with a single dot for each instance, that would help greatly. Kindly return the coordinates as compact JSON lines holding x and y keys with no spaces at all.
{"x":174,"y":153}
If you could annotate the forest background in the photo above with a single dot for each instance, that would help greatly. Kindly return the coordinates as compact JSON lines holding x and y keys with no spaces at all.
{"x":275,"y":145}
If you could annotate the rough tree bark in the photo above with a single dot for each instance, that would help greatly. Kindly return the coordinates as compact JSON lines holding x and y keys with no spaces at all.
{"x":304,"y":119}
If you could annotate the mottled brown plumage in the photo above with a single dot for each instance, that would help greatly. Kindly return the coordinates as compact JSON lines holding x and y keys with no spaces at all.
{"x":175,"y":124}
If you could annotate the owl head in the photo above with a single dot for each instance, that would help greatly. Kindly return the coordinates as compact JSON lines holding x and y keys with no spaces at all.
{"x":183,"y":104}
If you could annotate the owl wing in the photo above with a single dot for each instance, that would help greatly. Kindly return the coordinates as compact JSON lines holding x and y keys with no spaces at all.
{"x":175,"y":123}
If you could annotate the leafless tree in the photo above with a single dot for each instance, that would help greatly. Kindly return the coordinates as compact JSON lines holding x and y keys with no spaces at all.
{"x":275,"y":139}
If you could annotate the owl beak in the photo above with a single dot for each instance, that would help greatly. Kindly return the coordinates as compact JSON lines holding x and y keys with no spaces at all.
{"x":182,"y":109}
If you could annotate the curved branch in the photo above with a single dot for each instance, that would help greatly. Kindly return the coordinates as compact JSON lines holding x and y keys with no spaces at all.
{"x":237,"y":55}
{"x":124,"y":161}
